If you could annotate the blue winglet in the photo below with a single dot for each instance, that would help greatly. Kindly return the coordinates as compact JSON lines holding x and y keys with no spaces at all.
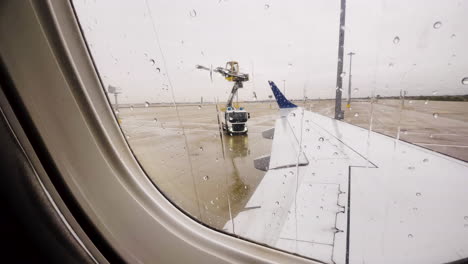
{"x":280,"y":99}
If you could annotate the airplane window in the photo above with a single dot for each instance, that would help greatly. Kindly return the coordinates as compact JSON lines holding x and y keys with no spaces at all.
{"x":335,"y":130}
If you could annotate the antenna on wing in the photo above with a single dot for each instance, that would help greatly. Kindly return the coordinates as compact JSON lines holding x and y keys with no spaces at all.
{"x":280,"y":98}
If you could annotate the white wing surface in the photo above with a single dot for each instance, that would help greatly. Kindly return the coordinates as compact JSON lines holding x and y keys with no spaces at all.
{"x":338,"y":193}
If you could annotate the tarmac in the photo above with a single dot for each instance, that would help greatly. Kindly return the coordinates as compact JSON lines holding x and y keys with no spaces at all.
{"x":211,"y":176}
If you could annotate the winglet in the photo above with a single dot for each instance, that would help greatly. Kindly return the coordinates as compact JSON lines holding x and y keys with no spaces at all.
{"x":280,"y":99}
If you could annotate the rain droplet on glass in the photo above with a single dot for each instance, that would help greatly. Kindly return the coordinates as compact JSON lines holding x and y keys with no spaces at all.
{"x":356,"y":114}
{"x":267,"y":6}
{"x":410,"y":236}
{"x":206,"y":177}
{"x":152,"y":62}
{"x":321,"y":139}
{"x":396,"y":40}
{"x":418,"y":194}
{"x":465,"y":81}
{"x":147,"y":104}
{"x":435,"y":115}
{"x":193,"y":13}
{"x":425,"y":160}
{"x":437,"y":25}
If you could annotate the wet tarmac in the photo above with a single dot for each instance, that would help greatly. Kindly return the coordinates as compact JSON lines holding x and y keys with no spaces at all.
{"x":211,"y":175}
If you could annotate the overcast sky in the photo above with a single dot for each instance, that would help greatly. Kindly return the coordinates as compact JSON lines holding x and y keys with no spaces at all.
{"x":276,"y":40}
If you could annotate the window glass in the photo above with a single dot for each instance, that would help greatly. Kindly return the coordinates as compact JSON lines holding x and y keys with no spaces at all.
{"x":197,"y":87}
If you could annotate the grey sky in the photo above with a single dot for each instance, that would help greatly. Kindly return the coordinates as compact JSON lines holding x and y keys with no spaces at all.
{"x":276,"y":40}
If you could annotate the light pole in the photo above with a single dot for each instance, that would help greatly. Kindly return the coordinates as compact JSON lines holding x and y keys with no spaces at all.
{"x":349,"y":78}
{"x":339,"y":79}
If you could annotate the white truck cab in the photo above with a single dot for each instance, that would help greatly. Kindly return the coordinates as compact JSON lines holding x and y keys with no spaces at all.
{"x":235,"y":120}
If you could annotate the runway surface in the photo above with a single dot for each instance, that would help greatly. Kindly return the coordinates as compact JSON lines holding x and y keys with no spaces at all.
{"x":211,"y":175}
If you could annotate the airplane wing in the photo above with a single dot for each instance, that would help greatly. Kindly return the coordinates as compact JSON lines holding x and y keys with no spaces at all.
{"x":338,"y":193}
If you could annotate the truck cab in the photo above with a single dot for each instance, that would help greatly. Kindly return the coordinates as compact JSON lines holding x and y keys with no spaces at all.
{"x":235,"y":121}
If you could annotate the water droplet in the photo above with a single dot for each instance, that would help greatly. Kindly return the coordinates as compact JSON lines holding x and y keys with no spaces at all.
{"x":466,"y":218}
{"x":152,"y":62}
{"x":418,"y":194}
{"x":390,"y":64}
{"x":307,"y":130}
{"x":245,"y":187}
{"x":291,"y":172}
{"x":199,"y":107}
{"x":355,"y":90}
{"x":318,"y":147}
{"x":147,"y":104}
{"x":425,"y":160}
{"x":277,"y":203}
{"x":211,"y":202}
{"x":343,"y":74}
{"x":435,"y":115}
{"x":453,"y":36}
{"x":321,"y":207}
{"x":410,"y":236}
{"x":410,"y":167}
{"x":158,"y":70}
{"x":396,"y":40}
{"x":356,"y":114}
{"x":193,"y":13}
{"x":117,"y":111}
{"x":267,"y":6}
{"x":206,"y":177}
{"x":290,"y":65}
{"x":127,"y":136}
{"x":465,"y":81}
{"x":321,"y":139}
{"x":437,"y":25}
{"x":131,"y":107}
{"x":335,"y":153}
{"x":201,"y":148}
{"x":155,"y":120}
{"x":434,"y":92}
{"x":313,"y":173}
{"x":426,"y":102}
{"x":217,"y":159}
{"x":410,"y":101}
